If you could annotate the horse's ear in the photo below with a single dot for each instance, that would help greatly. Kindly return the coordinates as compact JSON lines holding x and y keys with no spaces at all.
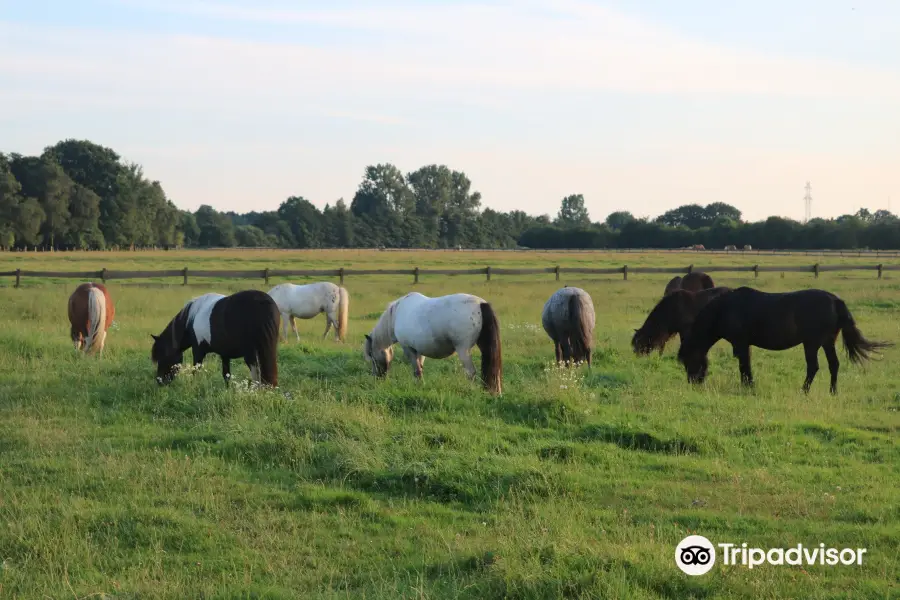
{"x":154,"y":337}
{"x":367,"y":337}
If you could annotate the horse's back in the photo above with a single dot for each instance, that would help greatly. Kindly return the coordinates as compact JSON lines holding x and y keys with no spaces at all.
{"x":557,"y":310}
{"x":306,"y":300}
{"x":438,"y":325}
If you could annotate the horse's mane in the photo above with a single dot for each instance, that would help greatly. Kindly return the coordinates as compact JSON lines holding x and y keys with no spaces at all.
{"x":655,"y":332}
{"x":383,"y":333}
{"x":173,"y":334}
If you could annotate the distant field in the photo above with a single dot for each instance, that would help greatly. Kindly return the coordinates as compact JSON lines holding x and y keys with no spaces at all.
{"x":570,"y":485}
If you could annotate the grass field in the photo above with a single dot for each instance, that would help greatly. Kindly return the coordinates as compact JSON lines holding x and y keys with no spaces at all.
{"x":570,"y":485}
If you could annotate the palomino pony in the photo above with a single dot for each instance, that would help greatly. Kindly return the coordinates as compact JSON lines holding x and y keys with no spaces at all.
{"x":243,"y":325}
{"x":307,"y":301}
{"x":692,"y":282}
{"x":91,"y":312}
{"x":672,"y":315}
{"x":569,"y":320}
{"x":436,"y":328}
{"x":775,"y":321}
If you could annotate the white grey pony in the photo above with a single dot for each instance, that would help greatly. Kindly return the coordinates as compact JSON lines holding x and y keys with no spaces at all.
{"x":307,"y":301}
{"x":569,"y":320}
{"x":436,"y":328}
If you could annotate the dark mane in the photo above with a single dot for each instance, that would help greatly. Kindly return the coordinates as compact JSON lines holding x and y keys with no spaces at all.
{"x":672,"y":315}
{"x":173,"y":336}
{"x":701,"y":332}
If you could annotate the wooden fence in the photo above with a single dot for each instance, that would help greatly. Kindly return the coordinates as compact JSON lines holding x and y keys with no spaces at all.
{"x":266,"y":274}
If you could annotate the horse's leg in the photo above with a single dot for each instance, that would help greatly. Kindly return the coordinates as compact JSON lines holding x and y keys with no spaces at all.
{"x":558,"y":347}
{"x":742,"y":353}
{"x":327,"y":326}
{"x":226,"y":370}
{"x":254,"y":370}
{"x":833,"y":364}
{"x":812,"y":363}
{"x":465,"y":356}
{"x":415,"y":360}
{"x":294,"y":327}
{"x":567,"y":349}
{"x":199,"y":355}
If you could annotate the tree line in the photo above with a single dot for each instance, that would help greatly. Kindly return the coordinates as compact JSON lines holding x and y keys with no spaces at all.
{"x":81,"y":195}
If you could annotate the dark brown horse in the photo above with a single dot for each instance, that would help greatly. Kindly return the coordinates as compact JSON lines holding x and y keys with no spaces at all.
{"x":775,"y":321}
{"x":692,"y":282}
{"x":91,"y":312}
{"x":672,"y":315}
{"x":242,"y":325}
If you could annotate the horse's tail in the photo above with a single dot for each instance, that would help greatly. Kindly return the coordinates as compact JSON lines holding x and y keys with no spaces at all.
{"x":489,"y":344}
{"x":267,"y":348}
{"x":96,"y":306}
{"x":343,"y":312}
{"x":858,"y":347}
{"x":581,"y":337}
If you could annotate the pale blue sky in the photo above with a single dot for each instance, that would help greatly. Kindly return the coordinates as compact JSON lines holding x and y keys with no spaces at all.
{"x":640,"y":105}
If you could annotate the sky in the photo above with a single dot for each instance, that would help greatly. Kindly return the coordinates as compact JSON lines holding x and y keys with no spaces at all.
{"x":639,"y":105}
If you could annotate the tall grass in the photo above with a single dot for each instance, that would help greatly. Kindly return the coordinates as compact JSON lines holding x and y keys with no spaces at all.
{"x":573,"y":484}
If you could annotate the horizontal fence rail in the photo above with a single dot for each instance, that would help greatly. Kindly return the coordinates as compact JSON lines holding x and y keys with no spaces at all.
{"x":265,"y":274}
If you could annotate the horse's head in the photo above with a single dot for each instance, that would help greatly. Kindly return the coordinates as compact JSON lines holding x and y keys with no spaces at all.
{"x":380,"y":360}
{"x":695,"y":362}
{"x":641,"y":342}
{"x":167,"y":358}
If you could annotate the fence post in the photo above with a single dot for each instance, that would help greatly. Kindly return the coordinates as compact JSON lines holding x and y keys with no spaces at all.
{"x":816,"y":270}
{"x":18,"y":275}
{"x":341,"y":275}
{"x":266,"y":275}
{"x":557,"y":272}
{"x":879,"y":271}
{"x":625,"y":272}
{"x":103,"y":275}
{"x":756,"y":271}
{"x":416,"y":275}
{"x":184,"y":274}
{"x":690,"y":269}
{"x":487,"y":272}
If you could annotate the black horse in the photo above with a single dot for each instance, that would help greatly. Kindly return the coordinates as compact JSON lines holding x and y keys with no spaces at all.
{"x":673,"y":315}
{"x":747,"y":317}
{"x":243,"y":325}
{"x":694,"y":281}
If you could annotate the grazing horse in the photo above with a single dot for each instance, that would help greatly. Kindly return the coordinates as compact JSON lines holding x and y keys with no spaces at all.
{"x":91,"y":312}
{"x":436,"y":328}
{"x":672,"y":315}
{"x":243,"y":325}
{"x":307,"y":301}
{"x":692,"y":282}
{"x":569,"y":320}
{"x":775,"y":321}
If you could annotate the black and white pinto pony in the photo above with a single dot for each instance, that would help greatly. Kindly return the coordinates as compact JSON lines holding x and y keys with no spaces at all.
{"x":242,"y":325}
{"x":436,"y":328}
{"x":569,"y":320}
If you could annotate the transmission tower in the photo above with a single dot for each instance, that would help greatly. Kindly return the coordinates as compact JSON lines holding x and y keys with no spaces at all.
{"x":807,"y":200}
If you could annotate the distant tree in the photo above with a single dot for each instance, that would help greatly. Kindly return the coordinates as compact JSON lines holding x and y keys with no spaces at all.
{"x":619,"y":219}
{"x":572,"y":212}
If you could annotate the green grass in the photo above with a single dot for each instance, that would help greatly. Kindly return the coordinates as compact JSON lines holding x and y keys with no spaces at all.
{"x":570,"y":485}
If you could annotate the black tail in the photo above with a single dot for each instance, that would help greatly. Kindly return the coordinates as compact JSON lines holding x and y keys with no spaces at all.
{"x":267,"y":348}
{"x":581,"y":338}
{"x":858,"y":347}
{"x":489,"y":344}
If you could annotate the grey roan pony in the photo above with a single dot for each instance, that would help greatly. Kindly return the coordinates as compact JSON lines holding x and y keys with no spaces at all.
{"x":243,"y":325}
{"x":569,"y":320}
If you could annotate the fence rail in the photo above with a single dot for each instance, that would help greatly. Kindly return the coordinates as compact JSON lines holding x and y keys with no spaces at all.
{"x":265,"y":274}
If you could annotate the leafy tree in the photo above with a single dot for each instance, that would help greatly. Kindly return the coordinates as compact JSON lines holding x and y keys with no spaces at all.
{"x":572,"y":212}
{"x":619,"y":219}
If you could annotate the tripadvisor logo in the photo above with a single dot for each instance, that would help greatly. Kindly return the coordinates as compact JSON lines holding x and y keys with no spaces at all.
{"x":696,"y":555}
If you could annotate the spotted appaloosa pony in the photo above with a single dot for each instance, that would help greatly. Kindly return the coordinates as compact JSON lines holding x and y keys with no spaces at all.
{"x":568,"y":318}
{"x":91,"y":312}
{"x":436,"y":328}
{"x":307,"y":301}
{"x":243,"y":325}
{"x":692,"y":282}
